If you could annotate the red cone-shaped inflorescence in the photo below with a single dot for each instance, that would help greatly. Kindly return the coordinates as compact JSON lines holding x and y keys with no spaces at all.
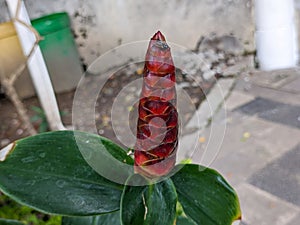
{"x":157,"y":128}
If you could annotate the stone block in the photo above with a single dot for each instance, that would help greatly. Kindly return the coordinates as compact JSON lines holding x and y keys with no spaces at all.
{"x":281,"y":177}
{"x":278,"y":112}
{"x":260,"y":207}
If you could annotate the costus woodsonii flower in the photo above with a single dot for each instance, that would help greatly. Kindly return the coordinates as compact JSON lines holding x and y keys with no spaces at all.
{"x":157,"y":127}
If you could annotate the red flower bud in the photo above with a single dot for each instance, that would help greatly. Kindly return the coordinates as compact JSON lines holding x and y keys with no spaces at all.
{"x":157,"y":128}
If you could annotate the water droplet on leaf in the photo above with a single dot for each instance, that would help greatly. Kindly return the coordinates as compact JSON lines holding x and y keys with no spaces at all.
{"x":60,"y":183}
{"x":28,"y":159}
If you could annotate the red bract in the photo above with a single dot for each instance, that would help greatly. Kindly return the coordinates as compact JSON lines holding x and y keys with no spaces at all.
{"x":157,"y":128}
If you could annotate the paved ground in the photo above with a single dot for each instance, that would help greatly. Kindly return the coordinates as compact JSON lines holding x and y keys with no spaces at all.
{"x":260,"y":153}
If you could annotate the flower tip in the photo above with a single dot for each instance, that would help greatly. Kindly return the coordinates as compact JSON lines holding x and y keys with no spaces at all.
{"x":158,"y":36}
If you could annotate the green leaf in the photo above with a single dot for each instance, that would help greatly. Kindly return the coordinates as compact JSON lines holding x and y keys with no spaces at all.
{"x":43,"y":126}
{"x":154,"y":204}
{"x":35,"y":118}
{"x":47,"y":172}
{"x":205,"y":196}
{"x":10,"y":222}
{"x":106,"y":219}
{"x":105,"y":157}
{"x":184,"y":221}
{"x":37,"y":109}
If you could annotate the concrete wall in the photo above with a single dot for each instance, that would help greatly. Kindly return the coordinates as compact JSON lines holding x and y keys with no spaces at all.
{"x":103,"y":25}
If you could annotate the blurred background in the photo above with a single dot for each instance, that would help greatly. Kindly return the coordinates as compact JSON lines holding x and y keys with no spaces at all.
{"x":248,"y":48}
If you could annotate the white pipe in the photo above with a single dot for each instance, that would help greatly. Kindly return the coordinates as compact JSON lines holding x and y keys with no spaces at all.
{"x":37,"y":67}
{"x":275,"y":34}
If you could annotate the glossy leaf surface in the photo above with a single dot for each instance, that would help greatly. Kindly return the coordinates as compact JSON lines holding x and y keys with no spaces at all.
{"x":184,"y":221}
{"x":47,"y":172}
{"x":154,"y":204}
{"x":205,"y":196}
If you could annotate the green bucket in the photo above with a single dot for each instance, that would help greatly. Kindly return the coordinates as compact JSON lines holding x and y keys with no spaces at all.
{"x":51,"y":23}
{"x":59,"y":50}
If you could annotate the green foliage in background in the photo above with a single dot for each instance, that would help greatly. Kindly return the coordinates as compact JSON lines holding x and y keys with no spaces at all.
{"x":10,"y":209}
{"x":41,"y":118}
